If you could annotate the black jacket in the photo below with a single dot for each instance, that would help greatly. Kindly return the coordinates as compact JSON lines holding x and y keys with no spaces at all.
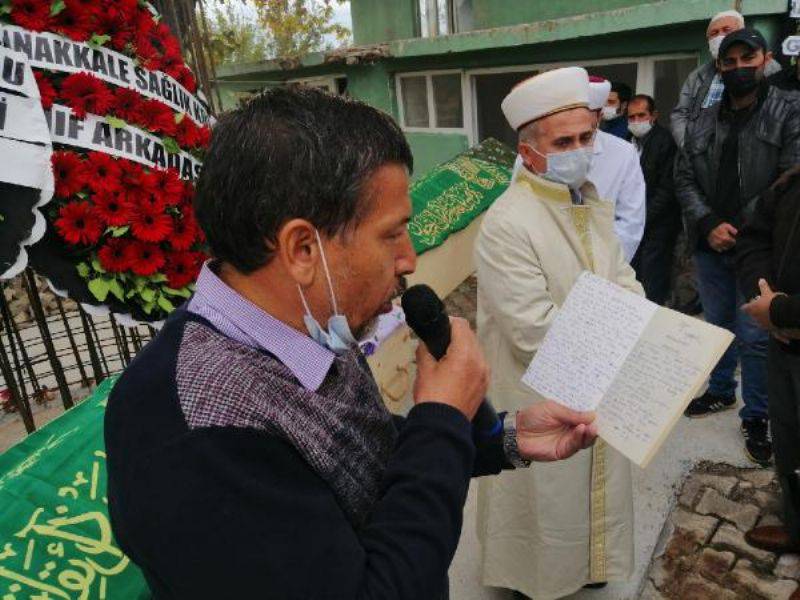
{"x":769,"y":144}
{"x":657,"y":160}
{"x":769,"y":248}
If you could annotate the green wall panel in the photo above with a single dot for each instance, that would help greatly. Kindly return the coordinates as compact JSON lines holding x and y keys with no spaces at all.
{"x":432,"y":149}
{"x":383,"y":20}
{"x":502,"y":13}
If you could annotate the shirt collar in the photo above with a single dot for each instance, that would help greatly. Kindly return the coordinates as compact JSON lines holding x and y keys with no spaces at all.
{"x":308,"y":361}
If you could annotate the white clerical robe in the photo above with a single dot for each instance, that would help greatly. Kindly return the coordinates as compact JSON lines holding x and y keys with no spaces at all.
{"x":548,"y":530}
{"x":617,"y":176}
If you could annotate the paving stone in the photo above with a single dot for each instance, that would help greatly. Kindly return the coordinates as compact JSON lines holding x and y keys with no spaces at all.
{"x":713,"y":503}
{"x":788,"y":566}
{"x":697,"y":588}
{"x":690,"y":492}
{"x":724,"y":485}
{"x":730,"y":538}
{"x":775,"y":589}
{"x":651,"y":593}
{"x":660,"y":573}
{"x":767,"y":500}
{"x":758,"y":477}
{"x":770,"y":520}
{"x":701,"y":527}
{"x":715,"y":565}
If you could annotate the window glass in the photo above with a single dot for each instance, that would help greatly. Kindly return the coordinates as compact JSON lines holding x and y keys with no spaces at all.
{"x":414,"y":96}
{"x":447,"y":100}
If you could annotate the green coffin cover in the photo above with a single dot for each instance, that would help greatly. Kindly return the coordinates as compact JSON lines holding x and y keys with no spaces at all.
{"x":55,"y":537}
{"x":455,"y":193}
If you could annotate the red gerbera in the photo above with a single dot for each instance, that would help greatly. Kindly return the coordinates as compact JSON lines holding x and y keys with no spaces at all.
{"x":186,"y":133}
{"x":156,"y":116}
{"x":144,"y":259}
{"x":203,"y":136}
{"x":75,"y":22}
{"x":69,"y":173}
{"x":102,"y":172}
{"x":182,"y":269}
{"x":126,"y":103}
{"x":167,"y":185}
{"x":46,"y":89}
{"x":149,"y":225}
{"x":77,"y":223}
{"x":84,"y":93}
{"x":31,"y":14}
{"x":135,"y":185}
{"x":113,"y":256}
{"x":186,"y":78}
{"x":184,"y":233}
{"x":112,"y":208}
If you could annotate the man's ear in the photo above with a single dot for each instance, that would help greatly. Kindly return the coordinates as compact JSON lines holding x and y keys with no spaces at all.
{"x":768,"y":57}
{"x":298,"y":250}
{"x":655,"y":116}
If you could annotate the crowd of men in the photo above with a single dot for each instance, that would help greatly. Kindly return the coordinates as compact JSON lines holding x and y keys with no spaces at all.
{"x":726,"y":175}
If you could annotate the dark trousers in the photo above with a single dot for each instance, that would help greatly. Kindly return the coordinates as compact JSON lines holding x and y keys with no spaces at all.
{"x":653,"y":264}
{"x":784,"y":417}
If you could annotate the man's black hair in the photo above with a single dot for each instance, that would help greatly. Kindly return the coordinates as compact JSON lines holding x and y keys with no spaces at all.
{"x":290,"y":153}
{"x":623,"y":90}
{"x":651,"y":104}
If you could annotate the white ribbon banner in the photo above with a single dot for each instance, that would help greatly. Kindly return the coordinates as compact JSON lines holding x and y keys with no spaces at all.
{"x":56,"y":53}
{"x":16,"y":75}
{"x":132,"y":143}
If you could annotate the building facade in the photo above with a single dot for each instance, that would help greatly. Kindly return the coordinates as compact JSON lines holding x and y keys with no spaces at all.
{"x":442,"y":67}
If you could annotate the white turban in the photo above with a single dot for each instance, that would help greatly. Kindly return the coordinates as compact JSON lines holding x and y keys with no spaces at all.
{"x":598,"y":93}
{"x":547,"y":93}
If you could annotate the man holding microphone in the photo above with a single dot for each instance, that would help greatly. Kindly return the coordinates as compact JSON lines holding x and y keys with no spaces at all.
{"x":249,"y":450}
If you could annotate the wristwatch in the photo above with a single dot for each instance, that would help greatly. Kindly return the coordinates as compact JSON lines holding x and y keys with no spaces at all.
{"x":510,"y":447}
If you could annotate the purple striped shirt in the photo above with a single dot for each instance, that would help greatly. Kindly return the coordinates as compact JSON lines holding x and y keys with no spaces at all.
{"x":241,"y":320}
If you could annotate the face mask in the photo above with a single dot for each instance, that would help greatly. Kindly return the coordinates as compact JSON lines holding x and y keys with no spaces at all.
{"x":338,"y":339}
{"x":609,"y":113}
{"x":640,"y":129}
{"x":568,"y":168}
{"x":714,"y":44}
{"x":740,"y":82}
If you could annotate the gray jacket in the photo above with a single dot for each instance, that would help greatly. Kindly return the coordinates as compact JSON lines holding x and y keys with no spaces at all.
{"x":769,"y":143}
{"x":694,"y":91}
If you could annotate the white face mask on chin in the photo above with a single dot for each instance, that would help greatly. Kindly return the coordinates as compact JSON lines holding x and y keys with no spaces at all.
{"x":609,"y":113}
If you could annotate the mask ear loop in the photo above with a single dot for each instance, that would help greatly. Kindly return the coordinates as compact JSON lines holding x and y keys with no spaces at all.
{"x":327,"y":273}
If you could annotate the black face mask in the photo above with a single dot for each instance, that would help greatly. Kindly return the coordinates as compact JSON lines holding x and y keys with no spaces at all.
{"x":740,"y":82}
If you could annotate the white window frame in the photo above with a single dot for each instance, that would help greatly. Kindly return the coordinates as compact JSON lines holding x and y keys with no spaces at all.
{"x":326,"y":81}
{"x":466,"y":103}
{"x":645,"y":75}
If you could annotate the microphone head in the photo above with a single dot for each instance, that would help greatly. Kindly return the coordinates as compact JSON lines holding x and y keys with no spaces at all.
{"x":421,"y":305}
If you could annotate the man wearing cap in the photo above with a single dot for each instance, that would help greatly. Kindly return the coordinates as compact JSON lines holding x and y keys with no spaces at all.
{"x":550,"y":531}
{"x":616,"y":174}
{"x":704,"y":86}
{"x":732,"y":153}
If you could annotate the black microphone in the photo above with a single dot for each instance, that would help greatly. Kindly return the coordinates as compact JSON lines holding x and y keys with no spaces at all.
{"x":427,"y":317}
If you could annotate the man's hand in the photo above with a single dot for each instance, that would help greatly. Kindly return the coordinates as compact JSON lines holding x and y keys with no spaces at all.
{"x":723,"y":237}
{"x":460,"y":378}
{"x":548,"y":431}
{"x":758,"y":307}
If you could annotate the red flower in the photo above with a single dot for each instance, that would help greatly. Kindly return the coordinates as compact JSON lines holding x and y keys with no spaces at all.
{"x":126,"y":104}
{"x":156,"y":116}
{"x":144,"y":259}
{"x":149,"y":225}
{"x":77,"y":223}
{"x":69,"y":173}
{"x":46,"y":89}
{"x":75,"y":21}
{"x":102,"y":172}
{"x":203,"y":136}
{"x":86,"y":93}
{"x":112,"y":208}
{"x":184,"y":233}
{"x":182,"y":269}
{"x":167,"y":186}
{"x":186,"y":78}
{"x":113,"y":257}
{"x":31,"y":14}
{"x":135,"y":184}
{"x":186,"y":133}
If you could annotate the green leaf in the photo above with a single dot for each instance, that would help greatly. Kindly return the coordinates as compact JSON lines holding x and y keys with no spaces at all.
{"x":179,"y":117}
{"x":115,"y":288}
{"x":148,"y":295}
{"x":56,"y":7}
{"x":139,"y":282}
{"x":170,"y":145}
{"x":82,"y":195}
{"x":5,"y":7}
{"x":148,"y":308}
{"x":165,"y":305}
{"x":83,"y":270}
{"x":97,"y":266}
{"x":115,"y":122}
{"x":183,"y":292}
{"x":120,"y":231}
{"x":158,"y":278}
{"x":99,"y":288}
{"x":99,"y":40}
